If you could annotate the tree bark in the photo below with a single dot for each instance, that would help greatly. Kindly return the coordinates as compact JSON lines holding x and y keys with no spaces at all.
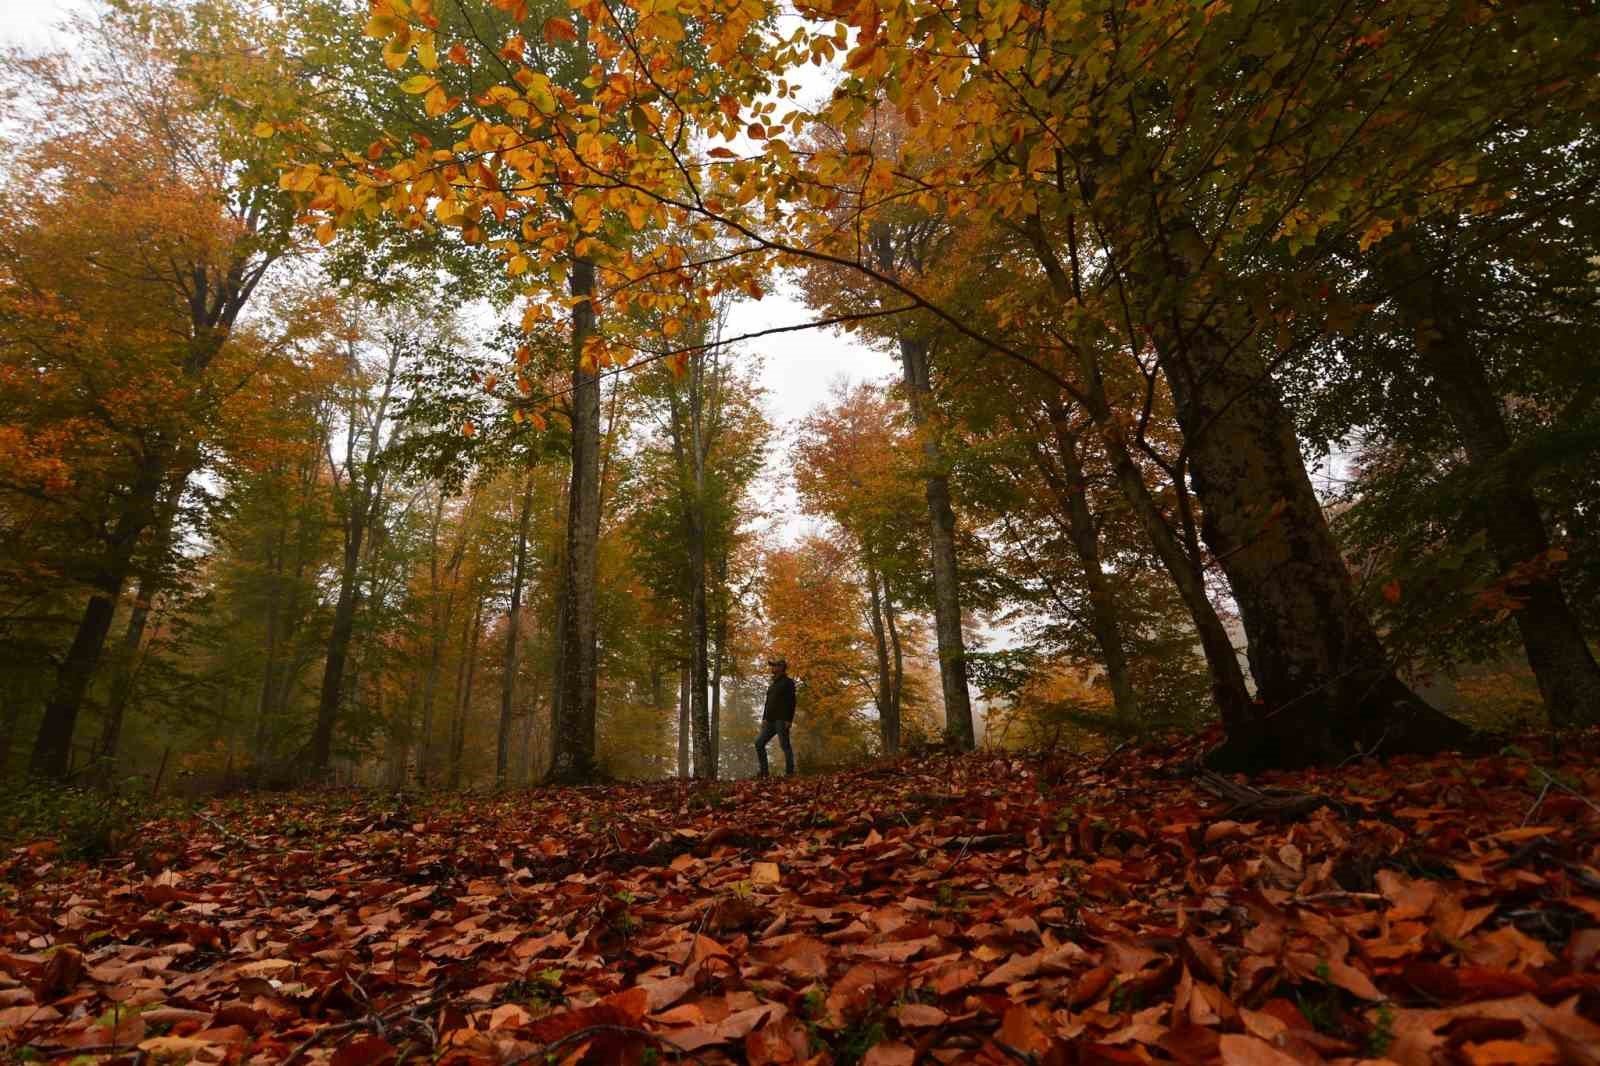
{"x":344,"y":620}
{"x":1562,"y":662}
{"x":508,"y":678}
{"x":1228,"y":688}
{"x":1070,"y":487}
{"x":52,"y":747}
{"x":915,"y":365}
{"x":149,"y":582}
{"x":575,"y":724}
{"x":1325,"y":687}
{"x":883,"y":696}
{"x":897,"y":672}
{"x":469,"y":670}
{"x":684,"y":685}
{"x":717,"y":659}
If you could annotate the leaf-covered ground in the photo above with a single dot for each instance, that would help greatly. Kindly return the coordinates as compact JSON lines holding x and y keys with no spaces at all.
{"x":986,"y":908}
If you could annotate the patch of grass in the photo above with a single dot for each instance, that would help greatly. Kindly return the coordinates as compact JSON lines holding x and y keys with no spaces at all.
{"x":84,"y":824}
{"x":1382,"y":1035}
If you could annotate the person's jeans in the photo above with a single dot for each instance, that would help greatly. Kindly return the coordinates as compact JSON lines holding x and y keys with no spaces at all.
{"x":768,"y":731}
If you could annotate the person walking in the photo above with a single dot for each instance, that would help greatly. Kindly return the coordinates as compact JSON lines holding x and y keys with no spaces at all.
{"x":777,"y":717}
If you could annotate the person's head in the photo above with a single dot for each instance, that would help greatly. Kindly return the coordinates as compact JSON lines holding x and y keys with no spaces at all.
{"x":779,"y":667}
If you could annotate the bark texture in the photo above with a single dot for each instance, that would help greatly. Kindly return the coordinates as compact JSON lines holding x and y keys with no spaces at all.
{"x":574,"y":757}
{"x":1325,"y":687}
{"x":916,"y":369}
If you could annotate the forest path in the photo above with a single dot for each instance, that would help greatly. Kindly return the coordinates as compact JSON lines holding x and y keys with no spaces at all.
{"x":994,"y":908}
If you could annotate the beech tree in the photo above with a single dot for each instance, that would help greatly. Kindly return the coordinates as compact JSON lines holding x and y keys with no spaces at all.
{"x":140,"y":253}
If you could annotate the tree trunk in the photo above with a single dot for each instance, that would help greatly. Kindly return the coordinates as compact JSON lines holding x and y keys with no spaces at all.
{"x":1562,"y":663}
{"x":138,"y":619}
{"x":469,"y":670}
{"x":52,"y":747}
{"x":1325,"y":688}
{"x":716,"y":687}
{"x":508,"y":680}
{"x":915,"y":363}
{"x":699,"y":669}
{"x":883,"y":696}
{"x":266,"y":700}
{"x":1070,"y":487}
{"x":344,"y":620}
{"x":897,"y":674}
{"x":437,"y":626}
{"x":575,"y":725}
{"x":1228,"y":688}
{"x":684,"y":685}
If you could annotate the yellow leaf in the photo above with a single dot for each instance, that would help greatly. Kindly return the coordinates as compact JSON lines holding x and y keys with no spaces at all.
{"x":325,"y":233}
{"x":518,"y":265}
{"x":264,"y":129}
{"x":418,"y":84}
{"x":428,"y":52}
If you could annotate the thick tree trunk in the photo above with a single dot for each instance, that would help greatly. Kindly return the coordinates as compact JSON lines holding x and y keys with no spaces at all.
{"x":53,"y":746}
{"x":1070,"y":488}
{"x":575,"y":725}
{"x":915,"y":364}
{"x":1325,"y":688}
{"x":508,"y":678}
{"x":1562,"y":662}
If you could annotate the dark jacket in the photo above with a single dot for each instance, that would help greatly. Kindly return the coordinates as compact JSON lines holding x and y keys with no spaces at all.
{"x":780,"y":700}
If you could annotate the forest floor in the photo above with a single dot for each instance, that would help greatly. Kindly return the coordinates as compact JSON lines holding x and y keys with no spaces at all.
{"x":987,"y":908}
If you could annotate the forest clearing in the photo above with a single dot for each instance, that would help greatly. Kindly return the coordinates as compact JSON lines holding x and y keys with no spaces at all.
{"x":981,"y":908}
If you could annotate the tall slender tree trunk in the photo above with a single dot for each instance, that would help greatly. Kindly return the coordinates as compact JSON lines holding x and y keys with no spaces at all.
{"x":437,"y":626}
{"x":1070,"y":489}
{"x":684,"y":675}
{"x":575,"y":723}
{"x":717,"y":660}
{"x":1562,"y":662}
{"x":888,"y":726}
{"x":1228,"y":688}
{"x":508,"y":679}
{"x":138,"y":619}
{"x":52,"y":747}
{"x":699,"y":667}
{"x":469,"y":670}
{"x":915,"y":364}
{"x":897,"y":672}
{"x":333,"y":672}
